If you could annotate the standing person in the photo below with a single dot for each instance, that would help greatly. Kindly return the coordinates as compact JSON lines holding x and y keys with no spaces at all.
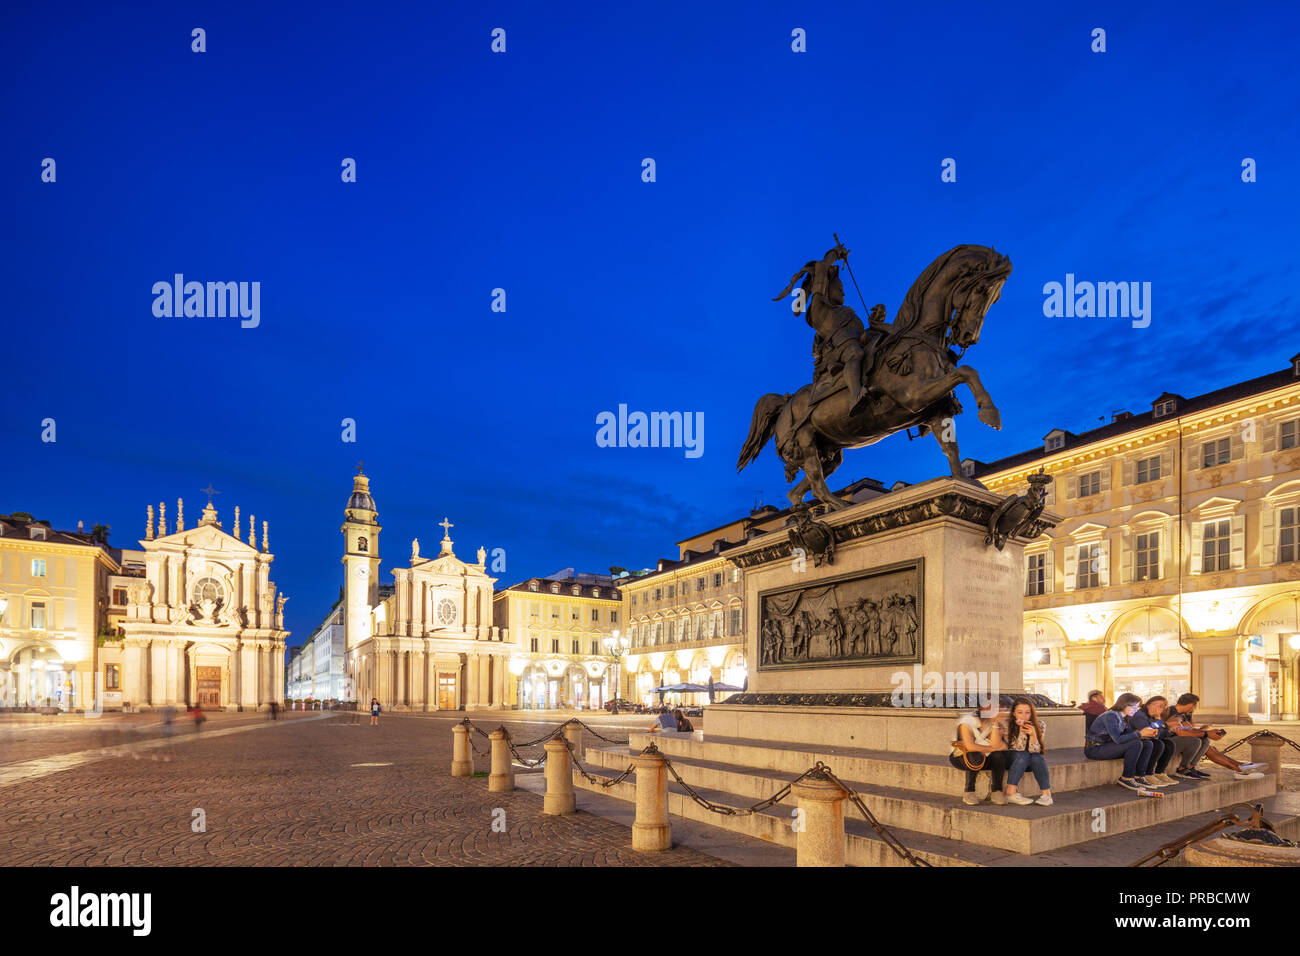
{"x":979,"y":746}
{"x":1024,"y":733}
{"x":374,"y":711}
{"x":198,"y":717}
{"x":1094,"y":708}
{"x":1192,"y":741}
{"x":275,"y":711}
{"x":1111,"y":738}
{"x":1151,"y":714}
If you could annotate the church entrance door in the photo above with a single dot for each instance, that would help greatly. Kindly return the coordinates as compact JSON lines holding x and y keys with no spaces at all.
{"x":446,"y":691}
{"x":208,"y":680}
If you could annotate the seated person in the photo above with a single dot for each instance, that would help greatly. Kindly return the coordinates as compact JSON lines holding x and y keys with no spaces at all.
{"x":1151,"y":714}
{"x":1192,"y":741}
{"x":684,"y":726}
{"x":1094,"y":708}
{"x":979,"y":745}
{"x":664,"y":721}
{"x":1024,"y":733}
{"x":1111,"y":737}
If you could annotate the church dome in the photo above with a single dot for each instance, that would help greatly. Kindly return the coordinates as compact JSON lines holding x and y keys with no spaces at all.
{"x":360,"y":499}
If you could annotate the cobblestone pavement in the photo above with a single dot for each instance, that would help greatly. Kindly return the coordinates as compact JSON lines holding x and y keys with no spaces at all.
{"x":297,"y":792}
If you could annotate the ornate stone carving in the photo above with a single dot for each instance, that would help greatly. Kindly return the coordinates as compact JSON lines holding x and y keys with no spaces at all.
{"x":812,"y":537}
{"x":875,"y":617}
{"x":1018,"y":513}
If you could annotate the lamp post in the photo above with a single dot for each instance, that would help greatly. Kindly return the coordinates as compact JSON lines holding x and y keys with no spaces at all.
{"x":616,"y":646}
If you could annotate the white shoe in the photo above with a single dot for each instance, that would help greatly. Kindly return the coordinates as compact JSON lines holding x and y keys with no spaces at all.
{"x":1018,"y":799}
{"x":998,"y":797}
{"x":1248,"y":767}
{"x":970,"y":799}
{"x":1151,"y":780}
{"x":1256,"y":775}
{"x":1044,"y":800}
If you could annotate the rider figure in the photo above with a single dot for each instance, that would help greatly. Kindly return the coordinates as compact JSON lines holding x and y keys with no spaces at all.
{"x":841,"y":342}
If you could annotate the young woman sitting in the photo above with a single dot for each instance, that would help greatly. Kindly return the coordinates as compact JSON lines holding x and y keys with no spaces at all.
{"x":1151,"y":714}
{"x":1023,"y":732}
{"x":979,"y":746}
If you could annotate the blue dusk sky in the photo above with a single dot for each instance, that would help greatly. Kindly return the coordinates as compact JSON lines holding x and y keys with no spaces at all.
{"x":522,"y":171}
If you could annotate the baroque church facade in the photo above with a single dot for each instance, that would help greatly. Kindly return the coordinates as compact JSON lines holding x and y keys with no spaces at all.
{"x":205,"y":625}
{"x":427,"y":642}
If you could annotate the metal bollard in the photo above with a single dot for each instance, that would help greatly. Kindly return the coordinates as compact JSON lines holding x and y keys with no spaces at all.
{"x":1267,"y":750}
{"x":651,"y":830}
{"x":820,"y":841}
{"x":462,"y":763}
{"x":559,"y":779}
{"x":573,"y":734}
{"x":502,"y":777}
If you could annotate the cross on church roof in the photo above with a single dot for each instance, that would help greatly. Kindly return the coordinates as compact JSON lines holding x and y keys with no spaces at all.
{"x":446,"y":527}
{"x":359,"y":471}
{"x":209,"y":491}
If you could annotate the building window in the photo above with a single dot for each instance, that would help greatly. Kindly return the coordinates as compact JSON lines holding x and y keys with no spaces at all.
{"x":686,"y":629}
{"x":555,"y":645}
{"x":208,"y":589}
{"x":1289,"y":434}
{"x":555,"y":613}
{"x":1164,"y":408}
{"x":634,"y":600}
{"x":1216,"y":453}
{"x":532,"y":585}
{"x":1216,"y":545}
{"x":735,"y":575}
{"x":699,"y":584}
{"x":532,"y":645}
{"x":715,"y":624}
{"x":555,"y":589}
{"x":573,"y":613}
{"x":361,"y":544}
{"x":112,"y":677}
{"x":717,"y":580}
{"x":659,"y":634}
{"x":613,"y":617}
{"x":735,"y":621}
{"x":576,"y":646}
{"x":1054,"y":442}
{"x":1148,"y":469}
{"x":119,"y":596}
{"x":1288,"y":527}
{"x":672,"y":590}
{"x":38,"y":567}
{"x":1036,"y":581}
{"x":1147,"y":558}
{"x":38,"y":616}
{"x":595,"y":615}
{"x":595,"y":648}
{"x":1090,"y":484}
{"x":595,"y":592}
{"x":1088,"y":574}
{"x":659,"y":594}
{"x":532,"y":610}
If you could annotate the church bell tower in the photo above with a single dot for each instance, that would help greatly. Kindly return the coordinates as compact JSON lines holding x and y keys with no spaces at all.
{"x":360,"y":561}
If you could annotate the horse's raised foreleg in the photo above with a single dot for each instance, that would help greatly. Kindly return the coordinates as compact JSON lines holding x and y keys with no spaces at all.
{"x":988,"y":412}
{"x":812,"y":469}
{"x":796,"y":493}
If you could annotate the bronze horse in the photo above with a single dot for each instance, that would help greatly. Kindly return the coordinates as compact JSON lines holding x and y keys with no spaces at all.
{"x":912,"y":381}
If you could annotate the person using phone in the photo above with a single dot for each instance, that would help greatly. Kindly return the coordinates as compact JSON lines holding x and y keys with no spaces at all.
{"x":1193,"y":741}
{"x":1151,"y":714}
{"x":1111,"y":737}
{"x":1023,"y":732}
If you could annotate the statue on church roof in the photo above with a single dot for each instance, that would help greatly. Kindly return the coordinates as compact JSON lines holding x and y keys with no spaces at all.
{"x":482,"y":556}
{"x":415,"y":549}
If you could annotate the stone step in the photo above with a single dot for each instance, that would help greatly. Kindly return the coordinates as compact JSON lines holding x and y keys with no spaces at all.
{"x":1133,"y":827}
{"x":926,"y":773}
{"x":1074,"y":817}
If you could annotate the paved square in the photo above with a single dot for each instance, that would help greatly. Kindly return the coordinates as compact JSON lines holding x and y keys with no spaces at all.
{"x":309,"y":790}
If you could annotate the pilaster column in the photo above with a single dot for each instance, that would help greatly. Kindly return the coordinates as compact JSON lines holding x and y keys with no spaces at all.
{"x":247,"y":677}
{"x":418,"y":673}
{"x":471,"y":683}
{"x":175,"y":674}
{"x":158,"y":674}
{"x":485,"y":681}
{"x":403,"y":694}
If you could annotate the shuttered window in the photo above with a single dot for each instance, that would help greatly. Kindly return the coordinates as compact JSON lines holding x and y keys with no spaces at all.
{"x":1147,"y":555}
{"x":1088,"y":574}
{"x":1148,"y":469}
{"x":1289,"y":434}
{"x":1090,"y":484}
{"x":1216,"y":545}
{"x":1036,"y":582}
{"x":1216,"y":453}
{"x":1288,"y":533}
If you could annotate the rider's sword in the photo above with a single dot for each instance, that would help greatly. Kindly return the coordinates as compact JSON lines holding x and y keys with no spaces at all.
{"x":851,"y":276}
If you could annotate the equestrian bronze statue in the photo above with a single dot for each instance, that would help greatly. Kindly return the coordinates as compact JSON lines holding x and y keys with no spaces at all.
{"x":871,"y":382}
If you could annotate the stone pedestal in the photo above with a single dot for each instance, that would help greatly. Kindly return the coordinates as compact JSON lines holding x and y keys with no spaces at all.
{"x":573,"y":734}
{"x":909,"y":621}
{"x":462,"y":763}
{"x":559,"y":779}
{"x":820,"y":823}
{"x":1267,"y":750}
{"x":502,"y":777}
{"x":651,"y":831}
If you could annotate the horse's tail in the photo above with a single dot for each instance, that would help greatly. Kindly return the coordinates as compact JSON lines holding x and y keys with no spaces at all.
{"x":761,"y":428}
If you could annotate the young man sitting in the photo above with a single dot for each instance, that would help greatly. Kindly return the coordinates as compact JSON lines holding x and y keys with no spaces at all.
{"x":1192,"y":742}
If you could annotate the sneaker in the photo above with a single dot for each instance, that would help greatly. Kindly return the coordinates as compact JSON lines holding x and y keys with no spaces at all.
{"x":1130,"y":782}
{"x":1167,"y":780}
{"x":970,"y":799}
{"x":998,"y":797}
{"x":1151,"y":780}
{"x":1248,"y":767}
{"x":1044,"y":800}
{"x":1198,"y":774}
{"x":1018,"y":799}
{"x":1254,"y":775}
